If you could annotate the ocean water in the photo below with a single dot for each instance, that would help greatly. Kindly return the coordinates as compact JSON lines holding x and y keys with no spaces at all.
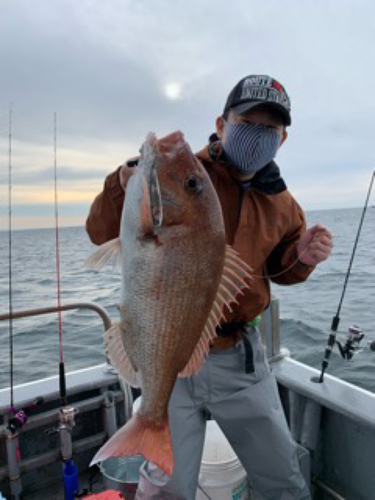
{"x":306,"y":309}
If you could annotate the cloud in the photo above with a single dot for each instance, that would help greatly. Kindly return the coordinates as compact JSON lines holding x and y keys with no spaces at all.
{"x":104,"y":68}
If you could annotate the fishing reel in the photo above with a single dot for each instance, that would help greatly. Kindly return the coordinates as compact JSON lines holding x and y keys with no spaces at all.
{"x":19,"y":417}
{"x":67,"y":417}
{"x":352,"y":345}
{"x":16,"y":421}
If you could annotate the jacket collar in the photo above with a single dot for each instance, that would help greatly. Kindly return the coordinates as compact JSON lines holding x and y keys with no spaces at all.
{"x":268,"y":180}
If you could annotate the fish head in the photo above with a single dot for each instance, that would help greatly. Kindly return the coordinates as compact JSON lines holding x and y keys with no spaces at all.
{"x":180,"y":190}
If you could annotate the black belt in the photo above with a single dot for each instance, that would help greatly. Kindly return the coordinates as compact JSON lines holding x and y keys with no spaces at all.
{"x":228,"y":329}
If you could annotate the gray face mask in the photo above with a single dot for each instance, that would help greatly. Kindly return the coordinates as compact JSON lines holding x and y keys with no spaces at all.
{"x":250,"y":147}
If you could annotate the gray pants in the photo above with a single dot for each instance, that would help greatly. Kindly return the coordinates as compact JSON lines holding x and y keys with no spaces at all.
{"x":247,"y":408}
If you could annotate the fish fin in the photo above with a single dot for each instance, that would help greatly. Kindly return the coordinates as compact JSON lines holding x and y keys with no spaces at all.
{"x":135,"y":437}
{"x":233,"y":282}
{"x":109,"y":251}
{"x":118,"y":357}
{"x":147,"y":224}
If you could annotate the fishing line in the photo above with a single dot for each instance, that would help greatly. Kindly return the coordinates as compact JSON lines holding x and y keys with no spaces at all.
{"x":10,"y":256}
{"x":336,"y":319}
{"x":267,"y":276}
{"x":59,"y":312}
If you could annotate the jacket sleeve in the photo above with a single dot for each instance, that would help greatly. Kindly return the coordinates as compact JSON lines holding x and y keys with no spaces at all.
{"x":103,"y":222}
{"x":283,"y":265}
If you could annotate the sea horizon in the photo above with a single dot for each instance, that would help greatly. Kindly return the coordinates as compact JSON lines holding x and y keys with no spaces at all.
{"x":67,"y":226}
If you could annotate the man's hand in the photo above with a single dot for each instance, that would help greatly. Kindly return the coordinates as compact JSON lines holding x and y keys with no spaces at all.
{"x":315,"y":246}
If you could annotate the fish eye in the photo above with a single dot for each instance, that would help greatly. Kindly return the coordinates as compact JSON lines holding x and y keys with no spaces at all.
{"x":193,"y":184}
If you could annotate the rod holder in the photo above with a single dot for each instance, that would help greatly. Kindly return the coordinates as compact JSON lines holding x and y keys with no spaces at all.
{"x":67,"y":422}
{"x":109,"y":410}
{"x":15,"y":482}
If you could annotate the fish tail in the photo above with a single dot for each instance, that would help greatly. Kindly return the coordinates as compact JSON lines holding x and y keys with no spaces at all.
{"x":136,"y":437}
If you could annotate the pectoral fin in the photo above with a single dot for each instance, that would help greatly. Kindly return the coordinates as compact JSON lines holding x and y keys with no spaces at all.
{"x":108,"y":252}
{"x":235,"y":279}
{"x":118,"y":357}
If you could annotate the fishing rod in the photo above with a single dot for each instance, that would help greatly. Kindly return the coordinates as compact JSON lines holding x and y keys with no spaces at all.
{"x":17,"y":417}
{"x":355,"y":335}
{"x":10,"y":254}
{"x":62,"y":378}
{"x":67,"y":413}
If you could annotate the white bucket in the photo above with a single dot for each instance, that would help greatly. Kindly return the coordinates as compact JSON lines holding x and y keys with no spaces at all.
{"x":222,"y":476}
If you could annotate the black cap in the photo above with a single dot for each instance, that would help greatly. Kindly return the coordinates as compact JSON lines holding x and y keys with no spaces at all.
{"x":256,"y":90}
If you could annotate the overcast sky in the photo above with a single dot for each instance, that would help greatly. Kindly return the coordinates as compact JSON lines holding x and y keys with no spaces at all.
{"x":114,"y":70}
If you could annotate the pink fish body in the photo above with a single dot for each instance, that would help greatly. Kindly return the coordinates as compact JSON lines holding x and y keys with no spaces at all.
{"x":178,"y":275}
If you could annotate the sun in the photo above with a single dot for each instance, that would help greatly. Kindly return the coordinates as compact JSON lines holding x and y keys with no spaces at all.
{"x":172,"y":90}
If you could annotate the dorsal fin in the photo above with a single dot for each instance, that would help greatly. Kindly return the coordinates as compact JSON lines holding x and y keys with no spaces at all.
{"x":232,"y":282}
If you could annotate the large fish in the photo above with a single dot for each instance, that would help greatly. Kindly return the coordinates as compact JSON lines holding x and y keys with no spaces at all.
{"x":178,"y":276}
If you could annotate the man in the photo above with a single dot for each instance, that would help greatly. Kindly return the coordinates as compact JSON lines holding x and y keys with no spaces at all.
{"x":266,"y":226}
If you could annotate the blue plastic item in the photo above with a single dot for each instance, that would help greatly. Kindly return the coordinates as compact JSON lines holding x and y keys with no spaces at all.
{"x":70,"y":474}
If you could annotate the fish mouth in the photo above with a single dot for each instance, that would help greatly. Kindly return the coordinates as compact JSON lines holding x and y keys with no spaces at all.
{"x":156,"y":200}
{"x":148,"y":168}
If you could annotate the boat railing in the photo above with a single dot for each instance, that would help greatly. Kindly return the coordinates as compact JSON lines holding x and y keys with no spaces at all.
{"x":65,"y":307}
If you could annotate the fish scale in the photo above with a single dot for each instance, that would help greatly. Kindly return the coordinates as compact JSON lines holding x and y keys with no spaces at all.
{"x":154,"y":346}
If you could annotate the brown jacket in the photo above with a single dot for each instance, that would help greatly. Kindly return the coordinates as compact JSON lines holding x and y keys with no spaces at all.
{"x":263,"y":223}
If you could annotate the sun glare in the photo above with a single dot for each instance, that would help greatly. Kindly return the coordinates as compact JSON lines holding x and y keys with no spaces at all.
{"x":173,"y":90}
